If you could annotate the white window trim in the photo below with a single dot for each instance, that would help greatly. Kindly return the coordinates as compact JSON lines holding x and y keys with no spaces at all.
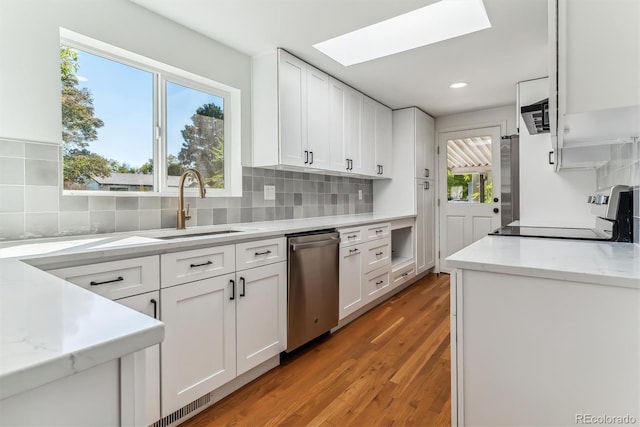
{"x":163,"y":72}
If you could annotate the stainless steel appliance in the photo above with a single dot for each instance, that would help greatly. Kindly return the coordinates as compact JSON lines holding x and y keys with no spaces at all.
{"x":612,"y":208}
{"x":510,"y":179}
{"x":312,"y":298}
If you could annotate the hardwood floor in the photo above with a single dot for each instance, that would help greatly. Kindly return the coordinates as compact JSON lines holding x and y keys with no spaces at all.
{"x":391,"y":366}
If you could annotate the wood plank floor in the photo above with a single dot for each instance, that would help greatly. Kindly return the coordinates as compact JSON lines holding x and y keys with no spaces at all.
{"x":390,"y":366}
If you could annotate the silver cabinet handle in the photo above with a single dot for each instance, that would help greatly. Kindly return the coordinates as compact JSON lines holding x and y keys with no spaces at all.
{"x":318,"y":244}
{"x":262,"y":253}
{"x":353,"y":250}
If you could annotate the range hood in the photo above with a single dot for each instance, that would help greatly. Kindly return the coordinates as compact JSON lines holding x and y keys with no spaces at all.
{"x":536,"y":117}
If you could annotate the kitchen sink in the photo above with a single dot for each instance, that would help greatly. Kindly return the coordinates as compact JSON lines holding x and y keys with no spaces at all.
{"x":188,"y":236}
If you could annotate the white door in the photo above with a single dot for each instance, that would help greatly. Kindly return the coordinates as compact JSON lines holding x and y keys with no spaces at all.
{"x":469,"y":171}
{"x":425,"y":225}
{"x":368,"y":137}
{"x":337,"y":104}
{"x":351,"y":273}
{"x":353,"y":128}
{"x":383,"y":140}
{"x":261,"y":314}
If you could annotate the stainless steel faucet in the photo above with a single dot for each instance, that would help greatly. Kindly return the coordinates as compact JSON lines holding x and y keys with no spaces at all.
{"x":183,"y":215}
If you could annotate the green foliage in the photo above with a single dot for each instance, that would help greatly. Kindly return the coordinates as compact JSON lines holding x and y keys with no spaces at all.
{"x":79,"y":126}
{"x":203,"y":148}
{"x":80,"y":165}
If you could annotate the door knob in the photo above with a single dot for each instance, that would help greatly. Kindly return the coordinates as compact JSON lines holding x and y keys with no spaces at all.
{"x":495,"y":200}
{"x":496,"y":210}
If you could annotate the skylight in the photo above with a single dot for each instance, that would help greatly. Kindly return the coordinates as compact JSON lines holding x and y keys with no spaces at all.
{"x":436,"y":22}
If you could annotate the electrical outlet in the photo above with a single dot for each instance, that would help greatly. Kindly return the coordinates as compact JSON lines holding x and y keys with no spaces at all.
{"x":359,"y":194}
{"x":269,"y":192}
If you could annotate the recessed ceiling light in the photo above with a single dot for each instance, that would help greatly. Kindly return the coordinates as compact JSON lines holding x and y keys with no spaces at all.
{"x":436,"y":22}
{"x":458,"y":85}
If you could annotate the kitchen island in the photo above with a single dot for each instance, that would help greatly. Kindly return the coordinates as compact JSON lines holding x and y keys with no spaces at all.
{"x":545,"y":331}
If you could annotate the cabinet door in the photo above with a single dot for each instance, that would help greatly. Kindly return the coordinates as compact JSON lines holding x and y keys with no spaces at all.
{"x":352,"y":129}
{"x":319,"y":149}
{"x":421,"y":263}
{"x":292,"y":79}
{"x":368,"y":137}
{"x":199,"y":348}
{"x":425,"y":226}
{"x":149,"y":382}
{"x":425,"y":145}
{"x":337,"y":104}
{"x":429,"y":217}
{"x":261,"y":314}
{"x":383,"y":140}
{"x":351,"y":273}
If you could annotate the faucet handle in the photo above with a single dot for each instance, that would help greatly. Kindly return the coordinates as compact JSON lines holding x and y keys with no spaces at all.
{"x":186,"y":214}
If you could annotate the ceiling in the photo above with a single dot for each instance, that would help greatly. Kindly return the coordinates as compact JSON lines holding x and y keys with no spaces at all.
{"x":492,"y":61}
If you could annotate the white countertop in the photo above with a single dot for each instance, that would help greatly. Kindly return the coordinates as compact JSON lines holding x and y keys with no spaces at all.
{"x":607,"y":263}
{"x":50,"y":328}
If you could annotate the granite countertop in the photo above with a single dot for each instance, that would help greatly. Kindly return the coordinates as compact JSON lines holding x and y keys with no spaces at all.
{"x":50,"y":328}
{"x":606,"y":263}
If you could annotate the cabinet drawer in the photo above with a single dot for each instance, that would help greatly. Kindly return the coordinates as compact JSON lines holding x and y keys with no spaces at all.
{"x":351,"y":236}
{"x":261,"y":252}
{"x":115,"y":279}
{"x":403,"y":275}
{"x":377,"y":254}
{"x":377,"y":283}
{"x":377,"y":231}
{"x":187,"y":266}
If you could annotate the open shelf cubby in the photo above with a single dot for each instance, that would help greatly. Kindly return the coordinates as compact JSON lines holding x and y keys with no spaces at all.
{"x":401,"y":247}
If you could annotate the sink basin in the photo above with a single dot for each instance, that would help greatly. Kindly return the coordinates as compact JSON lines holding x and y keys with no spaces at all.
{"x":188,"y":236}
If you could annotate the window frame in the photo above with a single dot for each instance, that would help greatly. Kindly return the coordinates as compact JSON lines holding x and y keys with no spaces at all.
{"x":163,"y":73}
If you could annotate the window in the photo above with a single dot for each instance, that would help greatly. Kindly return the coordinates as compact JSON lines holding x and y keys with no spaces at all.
{"x":131,"y":124}
{"x":469,"y":166}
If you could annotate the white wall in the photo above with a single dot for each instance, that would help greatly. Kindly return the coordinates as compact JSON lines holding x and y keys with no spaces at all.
{"x":549,"y":198}
{"x":29,"y":69}
{"x":505,"y":117}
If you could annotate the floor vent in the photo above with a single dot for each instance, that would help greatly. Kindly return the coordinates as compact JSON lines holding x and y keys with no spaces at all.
{"x":176,"y":416}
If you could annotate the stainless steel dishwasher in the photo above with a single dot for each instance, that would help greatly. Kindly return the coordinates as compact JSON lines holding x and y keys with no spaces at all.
{"x":312,"y":297}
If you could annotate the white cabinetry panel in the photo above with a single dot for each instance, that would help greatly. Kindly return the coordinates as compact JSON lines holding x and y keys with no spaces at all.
{"x":261,"y":314}
{"x":199,"y":349}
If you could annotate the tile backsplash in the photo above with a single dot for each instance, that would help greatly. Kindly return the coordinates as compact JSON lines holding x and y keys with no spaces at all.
{"x":624,"y":168}
{"x":32,"y":204}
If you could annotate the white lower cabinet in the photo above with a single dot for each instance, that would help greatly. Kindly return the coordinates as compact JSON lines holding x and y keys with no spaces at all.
{"x":149,"y":382}
{"x":261,"y":314}
{"x":425,"y":226}
{"x":219,"y":328}
{"x":364,"y":266}
{"x":351,"y":274}
{"x":377,"y":283}
{"x":198,"y":352}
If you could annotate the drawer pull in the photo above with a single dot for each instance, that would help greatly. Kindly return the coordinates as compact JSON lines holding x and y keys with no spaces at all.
{"x":119,"y":279}
{"x":353,"y":250}
{"x":262,"y":253}
{"x":379,"y":231}
{"x":405,"y":274}
{"x":233,"y":289}
{"x":203,"y":264}
{"x":379,"y":253}
{"x":380,"y":282}
{"x":353,"y":236}
{"x":155,"y":307}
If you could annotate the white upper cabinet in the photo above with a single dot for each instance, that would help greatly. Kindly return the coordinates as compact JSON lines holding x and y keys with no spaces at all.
{"x":425,"y":145}
{"x":318,"y":145}
{"x":303,"y":118}
{"x":368,"y":137}
{"x":598,"y":64}
{"x":383,"y":141}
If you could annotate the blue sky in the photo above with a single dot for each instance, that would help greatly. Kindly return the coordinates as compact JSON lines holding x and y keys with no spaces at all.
{"x":123,"y":100}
